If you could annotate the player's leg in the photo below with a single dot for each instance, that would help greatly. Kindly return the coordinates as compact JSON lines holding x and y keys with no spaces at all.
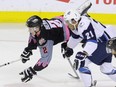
{"x":97,"y":57}
{"x":109,"y":70}
{"x":85,"y":73}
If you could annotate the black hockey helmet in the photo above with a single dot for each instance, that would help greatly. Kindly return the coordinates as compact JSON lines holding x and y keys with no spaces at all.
{"x":34,"y":21}
{"x":111,"y":44}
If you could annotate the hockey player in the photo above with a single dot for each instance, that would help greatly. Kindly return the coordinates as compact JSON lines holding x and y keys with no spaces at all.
{"x":95,"y":36}
{"x":111,"y":46}
{"x":44,"y":33}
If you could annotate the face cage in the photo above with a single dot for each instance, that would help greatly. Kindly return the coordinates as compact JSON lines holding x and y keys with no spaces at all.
{"x":34,"y":30}
{"x":72,"y":22}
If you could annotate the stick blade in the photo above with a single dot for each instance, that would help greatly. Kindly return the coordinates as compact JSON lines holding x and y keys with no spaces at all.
{"x":76,"y":77}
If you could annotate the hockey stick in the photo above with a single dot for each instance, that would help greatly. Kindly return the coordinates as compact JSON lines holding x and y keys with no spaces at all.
{"x":10,"y":62}
{"x":84,"y":7}
{"x":77,"y":77}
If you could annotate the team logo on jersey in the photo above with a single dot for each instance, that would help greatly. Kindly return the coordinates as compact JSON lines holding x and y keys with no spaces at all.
{"x":81,"y":24}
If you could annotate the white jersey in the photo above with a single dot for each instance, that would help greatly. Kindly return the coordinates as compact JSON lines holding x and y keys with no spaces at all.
{"x":91,"y":32}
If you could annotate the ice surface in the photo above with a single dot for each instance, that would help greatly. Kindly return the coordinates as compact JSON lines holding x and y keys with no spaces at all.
{"x":13,"y":39}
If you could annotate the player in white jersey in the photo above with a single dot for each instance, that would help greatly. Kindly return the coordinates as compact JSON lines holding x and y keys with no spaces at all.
{"x":95,"y":36}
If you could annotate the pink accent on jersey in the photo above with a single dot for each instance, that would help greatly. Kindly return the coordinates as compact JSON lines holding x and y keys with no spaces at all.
{"x":65,"y":27}
{"x":32,"y":38}
{"x":44,"y":64}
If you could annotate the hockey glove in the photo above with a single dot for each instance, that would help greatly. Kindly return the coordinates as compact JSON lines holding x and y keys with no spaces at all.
{"x":77,"y":64}
{"x":27,"y":74}
{"x":25,"y":55}
{"x":63,"y":47}
{"x":68,"y":52}
{"x":81,"y":55}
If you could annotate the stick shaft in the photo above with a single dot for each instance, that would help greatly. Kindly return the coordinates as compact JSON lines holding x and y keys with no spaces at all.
{"x":72,"y":66}
{"x":84,"y":7}
{"x":10,"y":62}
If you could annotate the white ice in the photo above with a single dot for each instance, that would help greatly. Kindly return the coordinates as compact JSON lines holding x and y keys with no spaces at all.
{"x":14,"y":38}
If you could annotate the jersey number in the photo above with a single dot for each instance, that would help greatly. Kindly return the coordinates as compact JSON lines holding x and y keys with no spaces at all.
{"x":89,"y":35}
{"x":45,"y":50}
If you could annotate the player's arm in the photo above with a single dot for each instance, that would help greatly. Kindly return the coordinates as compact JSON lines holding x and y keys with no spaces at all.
{"x":90,"y":47}
{"x":32,"y":44}
{"x":46,"y":55}
{"x":42,"y":63}
{"x":72,"y":43}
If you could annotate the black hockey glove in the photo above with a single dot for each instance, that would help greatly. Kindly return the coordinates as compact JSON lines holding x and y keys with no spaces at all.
{"x":63,"y":47}
{"x":25,"y":55}
{"x":27,"y":74}
{"x":68,"y":52}
{"x":81,"y":55}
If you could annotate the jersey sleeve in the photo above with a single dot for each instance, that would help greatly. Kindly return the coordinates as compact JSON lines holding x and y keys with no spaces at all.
{"x":73,"y":40}
{"x":90,"y":47}
{"x":46,"y":55}
{"x":32,"y":43}
{"x":72,"y":43}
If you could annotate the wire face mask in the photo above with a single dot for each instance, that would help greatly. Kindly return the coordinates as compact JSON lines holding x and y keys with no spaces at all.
{"x":72,"y":24}
{"x":34,"y":30}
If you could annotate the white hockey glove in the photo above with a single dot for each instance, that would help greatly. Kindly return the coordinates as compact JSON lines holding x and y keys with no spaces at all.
{"x":25,"y":55}
{"x":27,"y":74}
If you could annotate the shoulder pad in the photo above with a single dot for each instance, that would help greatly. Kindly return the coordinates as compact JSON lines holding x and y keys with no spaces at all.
{"x":84,"y":23}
